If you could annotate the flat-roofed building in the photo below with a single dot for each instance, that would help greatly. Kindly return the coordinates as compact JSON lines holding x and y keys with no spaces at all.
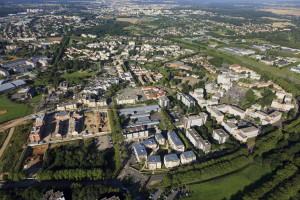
{"x":188,"y":157}
{"x":171,"y":160}
{"x":153,"y":162}
{"x":229,"y":127}
{"x":197,"y":140}
{"x":195,"y":120}
{"x":236,"y":111}
{"x":135,"y":133}
{"x":140,"y":152}
{"x":163,"y":101}
{"x":186,"y":99}
{"x":275,"y":116}
{"x":217,"y":114}
{"x":175,"y":142}
{"x":246,"y":133}
{"x":220,"y":135}
{"x":160,"y":138}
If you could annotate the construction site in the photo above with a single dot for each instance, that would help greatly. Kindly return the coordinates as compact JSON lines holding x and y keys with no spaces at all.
{"x":96,"y":122}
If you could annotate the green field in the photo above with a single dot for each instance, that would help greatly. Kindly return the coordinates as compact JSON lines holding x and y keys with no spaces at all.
{"x":35,"y":99}
{"x":225,"y":187}
{"x":14,"y":110}
{"x":78,"y":75}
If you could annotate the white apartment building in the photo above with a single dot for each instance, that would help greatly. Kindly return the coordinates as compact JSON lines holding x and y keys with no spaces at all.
{"x":220,"y":135}
{"x":195,"y":120}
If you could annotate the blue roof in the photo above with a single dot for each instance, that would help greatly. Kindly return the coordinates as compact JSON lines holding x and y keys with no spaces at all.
{"x":189,"y":154}
{"x":18,"y":83}
{"x":14,"y":63}
{"x":6,"y":87}
{"x":154,"y":159}
{"x":171,"y":157}
{"x":37,"y":58}
{"x":140,"y":149}
{"x":149,"y":142}
{"x":135,"y":110}
{"x":174,"y":137}
{"x":159,"y":136}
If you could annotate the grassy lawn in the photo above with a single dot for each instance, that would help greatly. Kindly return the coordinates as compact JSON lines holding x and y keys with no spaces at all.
{"x":14,"y":110}
{"x":225,"y":187}
{"x":13,"y":151}
{"x":78,"y":74}
{"x":35,"y":99}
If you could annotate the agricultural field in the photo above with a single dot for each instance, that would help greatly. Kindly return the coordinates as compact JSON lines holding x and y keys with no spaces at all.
{"x":14,"y":110}
{"x":227,"y":186}
{"x":130,"y":20}
{"x":283,"y":11}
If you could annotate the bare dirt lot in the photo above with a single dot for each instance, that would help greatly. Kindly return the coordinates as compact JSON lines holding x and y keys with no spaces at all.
{"x":96,"y":122}
{"x":192,"y":81}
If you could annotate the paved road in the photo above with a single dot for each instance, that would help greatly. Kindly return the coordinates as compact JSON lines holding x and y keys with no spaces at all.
{"x":11,"y":131}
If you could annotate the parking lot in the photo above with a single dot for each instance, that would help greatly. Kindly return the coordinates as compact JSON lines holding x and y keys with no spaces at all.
{"x":103,"y":142}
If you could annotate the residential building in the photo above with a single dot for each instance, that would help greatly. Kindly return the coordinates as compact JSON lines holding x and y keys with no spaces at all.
{"x":140,"y":152}
{"x":220,"y":135}
{"x":216,"y":114}
{"x":35,"y":134}
{"x":135,"y":133}
{"x":175,"y":142}
{"x":160,"y":138}
{"x":153,"y":162}
{"x":171,"y":160}
{"x":195,"y":120}
{"x":236,"y":112}
{"x":163,"y":101}
{"x":186,"y":100}
{"x":150,"y":143}
{"x":229,"y":127}
{"x":246,"y":133}
{"x":187,"y":157}
{"x":197,"y":140}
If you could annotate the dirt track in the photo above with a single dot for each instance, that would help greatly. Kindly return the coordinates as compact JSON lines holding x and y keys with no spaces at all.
{"x":11,"y":131}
